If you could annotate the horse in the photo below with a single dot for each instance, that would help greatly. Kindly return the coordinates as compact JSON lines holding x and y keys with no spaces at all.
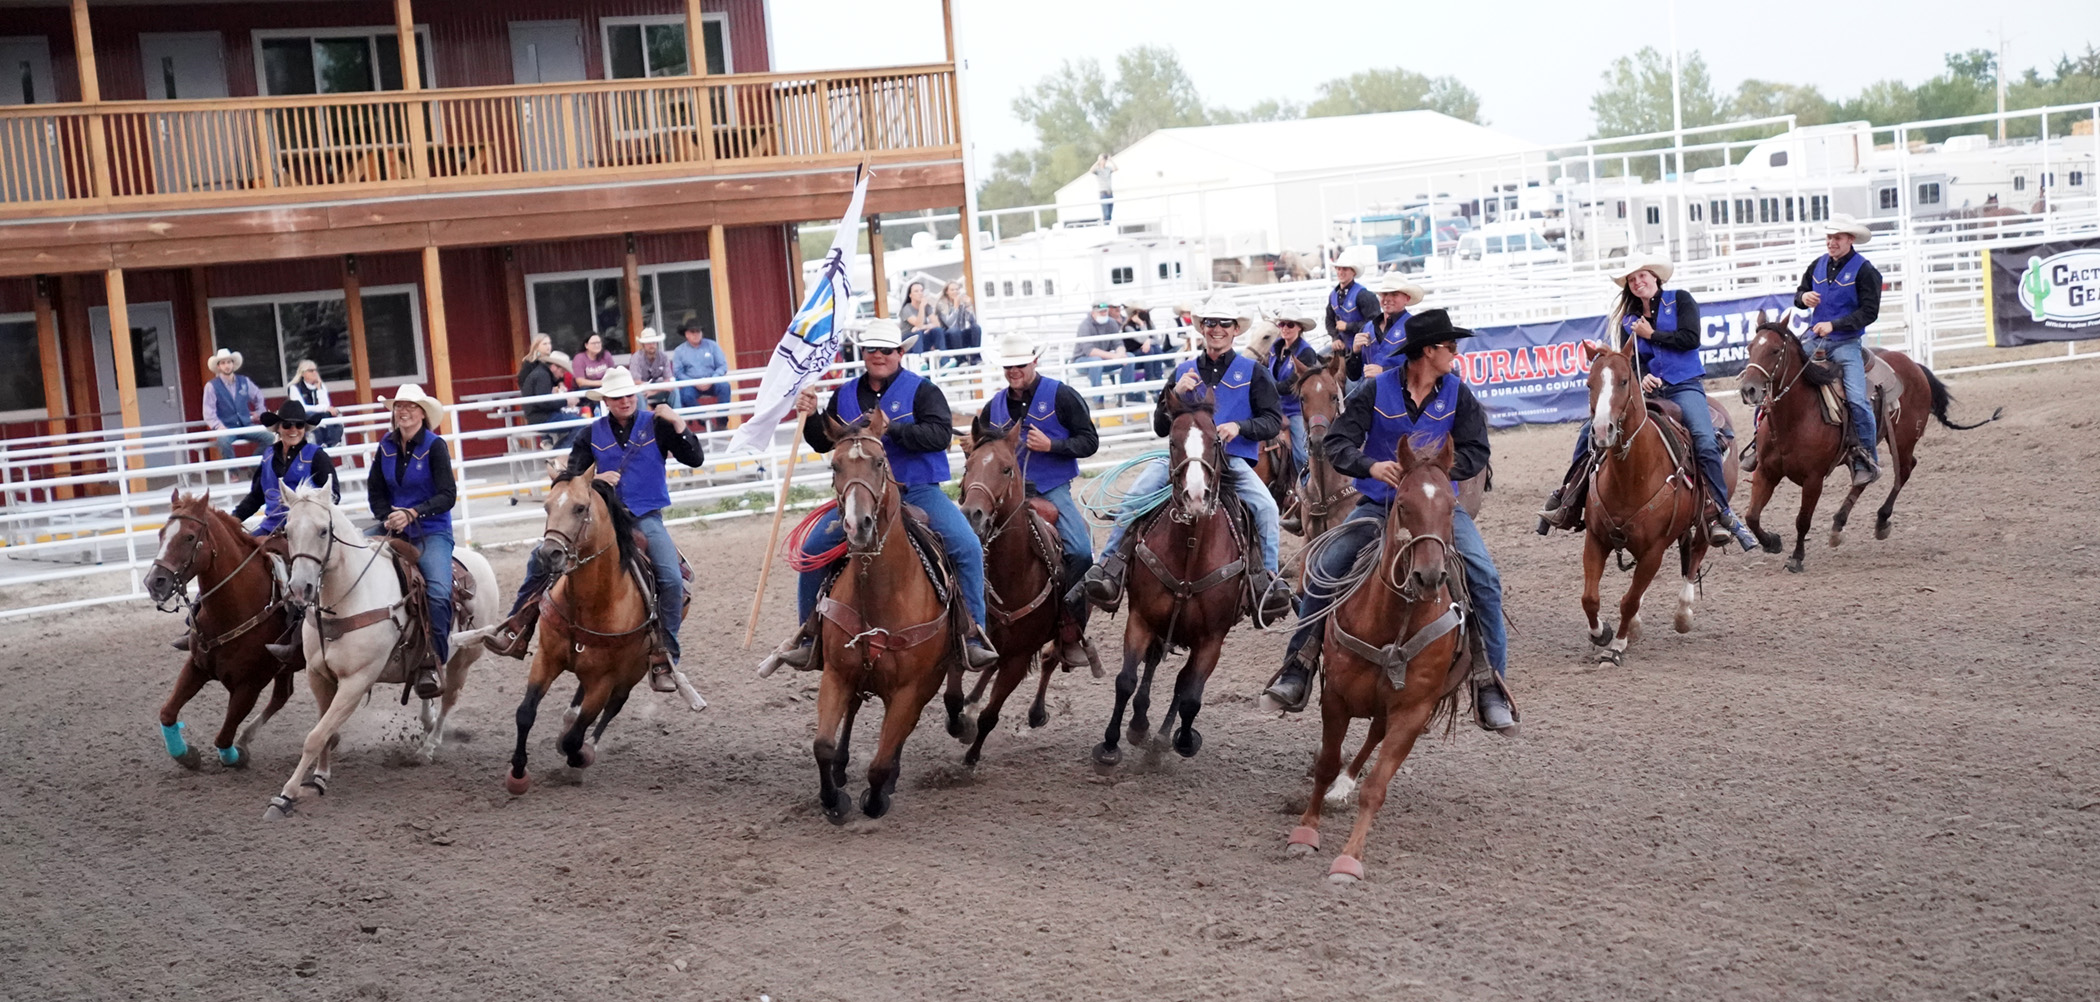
{"x":1411,"y":606}
{"x":1326,"y":496}
{"x":354,"y":614}
{"x":1643,"y":496}
{"x":886,"y":629}
{"x":586,"y":522}
{"x":1800,"y":446}
{"x":1187,"y":587}
{"x":232,"y":621}
{"x":1022,"y":560}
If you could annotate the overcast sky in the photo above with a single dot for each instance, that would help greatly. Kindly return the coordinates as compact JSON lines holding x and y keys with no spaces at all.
{"x":1534,"y":64}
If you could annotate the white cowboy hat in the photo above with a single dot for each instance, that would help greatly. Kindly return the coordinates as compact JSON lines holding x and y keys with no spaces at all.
{"x":410,"y":393}
{"x":1135,"y":304}
{"x":222,"y":355}
{"x":1396,"y":282}
{"x":1303,"y":318}
{"x":559,"y":359}
{"x":649,"y":335}
{"x":1841,"y":223}
{"x":1652,"y":263}
{"x":1219,"y":308}
{"x":1016,"y":349}
{"x":618,"y":383}
{"x":1360,"y":258}
{"x":883,"y":332}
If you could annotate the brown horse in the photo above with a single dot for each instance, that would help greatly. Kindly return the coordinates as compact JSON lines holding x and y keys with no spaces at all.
{"x":236,"y":614}
{"x":885,"y":631}
{"x":1643,"y":497}
{"x":1187,"y":587}
{"x":1326,"y":496}
{"x":1023,"y":594}
{"x":1391,"y":649}
{"x":1795,"y":443}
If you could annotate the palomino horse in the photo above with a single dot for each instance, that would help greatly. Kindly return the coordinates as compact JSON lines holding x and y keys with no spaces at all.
{"x":1796,"y":444}
{"x":233,"y":619}
{"x":354,"y":611}
{"x":1390,"y":651}
{"x":1643,"y":497}
{"x":588,"y":549}
{"x":1022,"y":559}
{"x":885,"y":630}
{"x":1188,"y":585}
{"x":1326,"y":496}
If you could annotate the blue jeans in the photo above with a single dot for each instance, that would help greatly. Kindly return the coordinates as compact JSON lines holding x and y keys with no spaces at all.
{"x":1300,"y":448}
{"x":663,"y":560}
{"x":436,"y":565}
{"x":1072,"y":531}
{"x":931,"y":339}
{"x":1108,"y":207}
{"x":1851,"y":358}
{"x":260,"y":437}
{"x":1690,"y":397}
{"x":958,"y":540}
{"x":1483,"y":581}
{"x":965,"y":337}
{"x":1253,"y":493}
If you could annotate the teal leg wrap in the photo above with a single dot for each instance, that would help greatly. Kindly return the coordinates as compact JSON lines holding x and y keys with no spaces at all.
{"x":229,"y":756}
{"x":172,"y":734}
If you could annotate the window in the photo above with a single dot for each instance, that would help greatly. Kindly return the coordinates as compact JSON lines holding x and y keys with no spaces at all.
{"x":1742,"y":210}
{"x":1049,"y":287}
{"x":1027,"y":287}
{"x":1006,"y":288}
{"x":570,"y":307}
{"x":335,"y":60}
{"x":1888,"y":197}
{"x":988,"y":289}
{"x":2048,"y":179}
{"x":1655,"y":215}
{"x":1929,"y":194}
{"x":1697,"y":211}
{"x":1494,"y":244}
{"x":1790,"y":210}
{"x":22,"y":385}
{"x":2077,"y":179}
{"x":1767,"y":210}
{"x":1622,"y":210}
{"x":1717,"y":211}
{"x":273,"y":333}
{"x":1122,"y":276}
{"x":1163,"y":269}
{"x":2019,"y":182}
{"x":638,"y":47}
{"x":1818,"y":207}
{"x":1778,"y":159}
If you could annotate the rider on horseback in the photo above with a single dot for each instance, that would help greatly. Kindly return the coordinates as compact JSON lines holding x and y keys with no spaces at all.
{"x":1290,"y":347}
{"x":1376,"y":348}
{"x":1351,"y":306}
{"x":411,"y":492}
{"x":1060,"y":433}
{"x":1842,"y":289}
{"x":1247,"y":415}
{"x":1665,"y":328}
{"x":921,"y":426}
{"x":1422,"y":402}
{"x":295,"y":459}
{"x":632,"y":456}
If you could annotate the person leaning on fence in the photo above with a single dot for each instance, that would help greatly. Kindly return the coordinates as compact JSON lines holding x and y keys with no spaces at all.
{"x":959,"y":326}
{"x":411,"y":492}
{"x":1351,"y":306}
{"x":920,"y":320}
{"x":307,"y":388}
{"x":651,"y":364}
{"x":232,"y":402}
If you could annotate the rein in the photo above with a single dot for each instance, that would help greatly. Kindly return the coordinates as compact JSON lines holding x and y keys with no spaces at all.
{"x":1787,"y":339}
{"x":203,"y":646}
{"x":571,"y":563}
{"x":994,"y":603}
{"x":1616,"y":534}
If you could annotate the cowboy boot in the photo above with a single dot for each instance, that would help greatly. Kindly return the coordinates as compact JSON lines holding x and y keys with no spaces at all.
{"x":1291,"y":689}
{"x":1103,"y":584}
{"x":1274,"y":603}
{"x":1564,"y":506}
{"x":1494,"y":708}
{"x":978,"y":651}
{"x":515,"y":635}
{"x":428,"y":682}
{"x":181,"y":643}
{"x":660,"y":678}
{"x":1746,"y":460}
{"x":1864,"y":470}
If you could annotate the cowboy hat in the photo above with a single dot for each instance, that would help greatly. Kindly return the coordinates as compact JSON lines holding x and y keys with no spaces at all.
{"x":1016,"y":349}
{"x":1219,"y":308}
{"x":1842,"y":223}
{"x":1395,"y":282}
{"x":222,"y":355}
{"x":559,"y":359}
{"x":1654,"y":264}
{"x":1296,"y":315}
{"x":649,"y":335}
{"x":1360,"y":259}
{"x":1135,"y":304}
{"x":618,"y":383}
{"x":433,"y":408}
{"x":1430,"y":327}
{"x":292,"y":412}
{"x":883,"y":332}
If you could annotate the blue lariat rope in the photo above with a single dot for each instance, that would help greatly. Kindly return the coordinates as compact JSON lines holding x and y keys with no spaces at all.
{"x":1104,"y":502}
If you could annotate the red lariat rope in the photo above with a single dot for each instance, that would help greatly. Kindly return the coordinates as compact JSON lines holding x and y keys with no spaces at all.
{"x":806,"y":562}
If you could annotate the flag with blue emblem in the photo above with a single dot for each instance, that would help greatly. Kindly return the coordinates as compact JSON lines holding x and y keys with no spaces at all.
{"x":812,"y":340}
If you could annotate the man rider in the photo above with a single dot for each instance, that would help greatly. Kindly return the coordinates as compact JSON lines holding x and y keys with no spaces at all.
{"x":1842,"y":289}
{"x":1350,"y":306}
{"x":1421,"y":401}
{"x":1376,"y":348}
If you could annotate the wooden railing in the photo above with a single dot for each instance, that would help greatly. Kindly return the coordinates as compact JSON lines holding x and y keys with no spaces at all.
{"x":199,"y":151}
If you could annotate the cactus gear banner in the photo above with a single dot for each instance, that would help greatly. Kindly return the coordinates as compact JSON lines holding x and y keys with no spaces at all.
{"x":2043,"y":293}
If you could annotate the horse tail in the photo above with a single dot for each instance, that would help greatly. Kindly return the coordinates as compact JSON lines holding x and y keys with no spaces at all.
{"x":1941,"y":398}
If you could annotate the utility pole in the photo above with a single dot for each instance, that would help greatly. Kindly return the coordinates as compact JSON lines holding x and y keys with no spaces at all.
{"x":2000,"y":74}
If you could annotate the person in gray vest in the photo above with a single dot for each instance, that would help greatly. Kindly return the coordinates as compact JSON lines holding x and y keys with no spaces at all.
{"x":232,"y":402}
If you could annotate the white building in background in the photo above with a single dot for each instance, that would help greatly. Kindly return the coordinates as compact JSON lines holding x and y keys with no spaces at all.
{"x":1263,"y":188}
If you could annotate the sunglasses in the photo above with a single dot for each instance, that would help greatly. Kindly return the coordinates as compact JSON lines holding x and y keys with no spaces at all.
{"x":1209,"y":322}
{"x":881,"y":351}
{"x":1017,"y":368}
{"x":1292,"y":324}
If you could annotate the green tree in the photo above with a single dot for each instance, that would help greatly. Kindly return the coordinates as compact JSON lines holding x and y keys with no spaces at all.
{"x":1373,"y":91}
{"x":1079,"y":113}
{"x":1636,"y":95}
{"x":1766,"y":99}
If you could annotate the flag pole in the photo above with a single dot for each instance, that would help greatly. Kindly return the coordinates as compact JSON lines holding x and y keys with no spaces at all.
{"x":765,"y":569}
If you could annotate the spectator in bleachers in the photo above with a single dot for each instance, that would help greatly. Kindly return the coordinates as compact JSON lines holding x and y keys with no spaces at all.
{"x":651,"y":364}
{"x":921,"y":320}
{"x":959,"y":326}
{"x":1100,"y":339}
{"x":544,"y":371}
{"x":700,"y":358}
{"x":306,"y":387}
{"x":592,"y":363}
{"x":231,"y":403}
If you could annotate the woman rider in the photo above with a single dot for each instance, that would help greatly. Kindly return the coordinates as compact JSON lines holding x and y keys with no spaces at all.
{"x":1665,"y":329}
{"x":411,"y":491}
{"x":296,"y":459}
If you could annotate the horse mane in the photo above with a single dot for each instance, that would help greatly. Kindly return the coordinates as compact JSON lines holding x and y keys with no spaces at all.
{"x":218,"y":517}
{"x":622,"y":519}
{"x":1203,"y":401}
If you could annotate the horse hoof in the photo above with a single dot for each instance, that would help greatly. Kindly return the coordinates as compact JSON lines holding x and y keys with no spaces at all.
{"x":1346,"y":870}
{"x":1772,"y":544}
{"x":874,"y":805}
{"x":1611,"y":657}
{"x":1836,"y":537}
{"x":1304,"y":841}
{"x":1683,"y":622}
{"x":317,"y":783}
{"x":279,"y":809}
{"x":1601,"y":639}
{"x":1136,"y":735}
{"x":1038,"y":716}
{"x":1881,"y":529}
{"x":190,"y":758}
{"x":232,"y":758}
{"x":588,"y":753}
{"x":1107,"y":755}
{"x":517,"y":785}
{"x":1796,"y":566}
{"x":1188,"y":742}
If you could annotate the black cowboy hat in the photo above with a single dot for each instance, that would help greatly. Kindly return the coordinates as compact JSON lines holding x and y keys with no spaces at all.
{"x":1427,"y":328}
{"x":292,"y":412}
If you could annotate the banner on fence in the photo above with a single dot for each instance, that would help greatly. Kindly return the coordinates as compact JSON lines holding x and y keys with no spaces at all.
{"x":1539,"y":374}
{"x":2046,"y":292}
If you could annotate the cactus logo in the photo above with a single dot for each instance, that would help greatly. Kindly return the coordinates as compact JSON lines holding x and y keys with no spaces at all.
{"x":2063,"y":290}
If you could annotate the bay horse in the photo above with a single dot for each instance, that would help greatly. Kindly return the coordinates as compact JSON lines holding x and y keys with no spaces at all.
{"x":354,"y":613}
{"x":589,"y":552}
{"x":1187,"y":587}
{"x":885,"y":629}
{"x":1796,"y":444}
{"x":1391,"y":652}
{"x":1023,"y":596}
{"x":237,"y":613}
{"x":1326,"y":496}
{"x":1643,"y":496}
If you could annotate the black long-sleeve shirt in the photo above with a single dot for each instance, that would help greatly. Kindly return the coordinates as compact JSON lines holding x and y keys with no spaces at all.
{"x":670,"y":442}
{"x":1084,"y":439}
{"x":930,"y":429}
{"x":1265,"y":419}
{"x":536,"y":379}
{"x":442,"y":498}
{"x":1366,"y":304}
{"x":1345,"y":437}
{"x":1353,"y":365}
{"x":1684,"y":338}
{"x":323,"y":473}
{"x":1868,"y":290}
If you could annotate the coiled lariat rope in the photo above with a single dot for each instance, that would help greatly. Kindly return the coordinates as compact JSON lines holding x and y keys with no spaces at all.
{"x":1317,"y":584}
{"x":802,"y":562}
{"x":1105,"y":503}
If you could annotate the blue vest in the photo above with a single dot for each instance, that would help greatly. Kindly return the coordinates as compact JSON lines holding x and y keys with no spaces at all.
{"x":1384,"y":349}
{"x":906,"y":467}
{"x":230,"y":405}
{"x":1345,"y":311}
{"x":273,"y":484}
{"x":1281,"y":370}
{"x":1668,"y":364}
{"x":414,"y":485}
{"x":1390,"y":423}
{"x":1046,"y":472}
{"x":640,"y":463}
{"x":1840,"y":294}
{"x":1235,"y":401}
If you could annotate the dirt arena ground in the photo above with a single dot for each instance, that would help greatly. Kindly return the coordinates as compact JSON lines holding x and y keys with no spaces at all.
{"x":1877,"y":780}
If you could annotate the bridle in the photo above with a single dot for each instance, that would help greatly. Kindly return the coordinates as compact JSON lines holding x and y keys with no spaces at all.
{"x":1011,"y":484}
{"x":1178,"y":474}
{"x":326,"y":559}
{"x":865,"y":483}
{"x":570,"y":546}
{"x":188,"y":570}
{"x":1391,"y":576}
{"x":1633,"y":398}
{"x":1787,"y":340}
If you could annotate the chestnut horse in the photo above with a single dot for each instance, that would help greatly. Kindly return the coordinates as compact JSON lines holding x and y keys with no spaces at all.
{"x":1391,"y":648}
{"x":885,"y":631}
{"x":1326,"y":496}
{"x":588,"y":546}
{"x":1795,"y":443}
{"x":1023,"y":596}
{"x":237,"y":613}
{"x":1188,"y":585}
{"x":1642,"y":499}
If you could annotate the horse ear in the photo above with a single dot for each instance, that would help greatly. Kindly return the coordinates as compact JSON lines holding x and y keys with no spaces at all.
{"x":878,"y":422}
{"x":834,"y":428}
{"x":554,"y":469}
{"x":1447,"y":455}
{"x":1762,"y":318}
{"x":174,"y":497}
{"x":1015,"y":432}
{"x":1337,"y":362}
{"x":1409,"y":459}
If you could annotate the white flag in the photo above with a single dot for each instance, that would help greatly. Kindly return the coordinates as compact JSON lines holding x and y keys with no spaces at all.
{"x":811,"y":343}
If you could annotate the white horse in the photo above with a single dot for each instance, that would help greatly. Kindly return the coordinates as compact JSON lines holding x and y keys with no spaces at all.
{"x":337,"y":575}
